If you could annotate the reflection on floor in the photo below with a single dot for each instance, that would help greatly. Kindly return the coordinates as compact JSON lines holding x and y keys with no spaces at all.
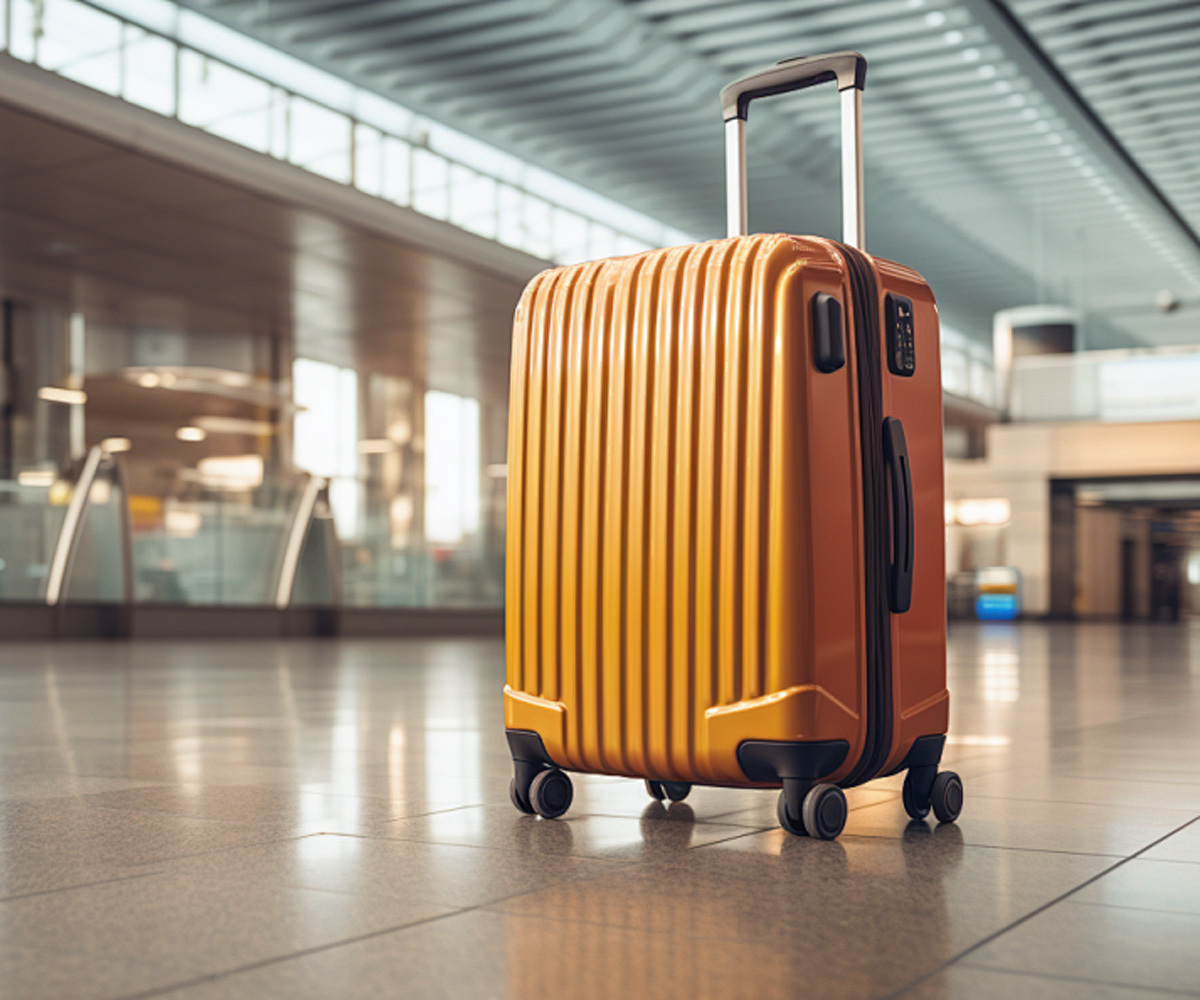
{"x":331,"y":819}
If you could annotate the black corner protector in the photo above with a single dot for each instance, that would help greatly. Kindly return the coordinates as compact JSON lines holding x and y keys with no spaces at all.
{"x":524,"y":744}
{"x":926,"y":751}
{"x":774,"y":760}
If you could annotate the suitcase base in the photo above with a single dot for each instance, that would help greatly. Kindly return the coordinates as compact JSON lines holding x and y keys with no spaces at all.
{"x":807,"y":806}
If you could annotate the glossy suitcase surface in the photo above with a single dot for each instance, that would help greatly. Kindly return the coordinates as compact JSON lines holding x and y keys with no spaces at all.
{"x":725,"y":521}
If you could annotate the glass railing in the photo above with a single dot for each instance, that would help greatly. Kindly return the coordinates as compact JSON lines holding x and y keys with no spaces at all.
{"x":183,"y":65}
{"x":78,"y":536}
{"x":1121,"y":386}
{"x":270,"y":546}
{"x":64,"y":535}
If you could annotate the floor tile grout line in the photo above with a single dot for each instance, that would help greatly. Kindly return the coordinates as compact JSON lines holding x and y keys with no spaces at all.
{"x":489,"y":906}
{"x":277,"y":959}
{"x":1004,"y":847}
{"x":1193,"y":914}
{"x":82,"y":885}
{"x":1035,"y":912}
{"x":1087,"y":980}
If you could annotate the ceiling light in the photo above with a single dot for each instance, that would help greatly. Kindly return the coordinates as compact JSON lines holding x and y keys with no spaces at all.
{"x":36,"y":477}
{"x":149,"y":380}
{"x":115,"y":444}
{"x":953,"y":37}
{"x":191,"y":433}
{"x":971,"y":55}
{"x":994,"y":511}
{"x":235,"y":425}
{"x":235,"y":472}
{"x":988,"y":71}
{"x":57,"y":394}
{"x":1003,"y":86}
{"x":935,"y":18}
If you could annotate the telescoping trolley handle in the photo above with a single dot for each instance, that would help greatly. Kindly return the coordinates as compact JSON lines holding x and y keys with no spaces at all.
{"x":849,"y":70}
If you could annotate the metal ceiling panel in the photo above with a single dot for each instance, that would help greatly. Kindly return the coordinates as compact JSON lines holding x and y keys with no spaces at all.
{"x":1019,"y":152}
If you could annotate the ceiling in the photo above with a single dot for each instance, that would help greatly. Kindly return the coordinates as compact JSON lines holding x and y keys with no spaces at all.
{"x":1039,"y":151}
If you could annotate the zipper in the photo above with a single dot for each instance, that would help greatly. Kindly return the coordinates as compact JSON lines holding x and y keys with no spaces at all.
{"x":876,"y":527}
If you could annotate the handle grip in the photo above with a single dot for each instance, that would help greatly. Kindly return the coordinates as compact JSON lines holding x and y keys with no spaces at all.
{"x":900,"y":573}
{"x":849,"y":69}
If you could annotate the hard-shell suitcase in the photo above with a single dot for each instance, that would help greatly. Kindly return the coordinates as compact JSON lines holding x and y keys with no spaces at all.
{"x":725,"y":514}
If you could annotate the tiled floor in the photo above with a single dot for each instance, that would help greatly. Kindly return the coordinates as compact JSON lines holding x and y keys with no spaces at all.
{"x":331,"y":820}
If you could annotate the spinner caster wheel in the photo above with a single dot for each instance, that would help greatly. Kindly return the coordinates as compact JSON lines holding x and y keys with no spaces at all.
{"x":915,"y":808}
{"x":551,"y":793}
{"x":947,"y":796}
{"x":824,"y":811}
{"x":517,"y":799}
{"x":676,"y":791}
{"x":785,"y":819}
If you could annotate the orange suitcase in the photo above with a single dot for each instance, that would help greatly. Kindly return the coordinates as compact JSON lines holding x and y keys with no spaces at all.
{"x":725,"y":516}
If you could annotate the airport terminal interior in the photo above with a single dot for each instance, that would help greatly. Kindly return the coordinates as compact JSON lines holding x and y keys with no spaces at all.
{"x":266,"y":555}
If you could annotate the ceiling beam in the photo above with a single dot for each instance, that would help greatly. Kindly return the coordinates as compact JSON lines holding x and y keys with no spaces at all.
{"x":1007,"y":31}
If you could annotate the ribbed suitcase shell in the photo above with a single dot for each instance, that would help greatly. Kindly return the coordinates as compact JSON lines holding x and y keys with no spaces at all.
{"x":685,"y":515}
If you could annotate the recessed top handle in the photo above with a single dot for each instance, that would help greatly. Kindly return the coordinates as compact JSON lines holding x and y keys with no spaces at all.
{"x":848,"y":69}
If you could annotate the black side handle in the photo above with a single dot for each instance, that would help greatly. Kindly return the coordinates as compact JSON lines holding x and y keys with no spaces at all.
{"x":895,"y":453}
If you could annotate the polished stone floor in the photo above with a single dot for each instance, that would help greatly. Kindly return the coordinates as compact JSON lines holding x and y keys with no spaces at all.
{"x":330,"y":819}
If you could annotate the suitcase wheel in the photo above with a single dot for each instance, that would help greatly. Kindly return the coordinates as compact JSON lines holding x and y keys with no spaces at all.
{"x":785,"y":820}
{"x":944,"y":794}
{"x":551,"y":793}
{"x":676,"y":791}
{"x":947,"y":796}
{"x":518,"y":799}
{"x":822,"y":813}
{"x":916,"y":809}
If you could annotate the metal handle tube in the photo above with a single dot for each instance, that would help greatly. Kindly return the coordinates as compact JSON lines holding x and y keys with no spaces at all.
{"x":853,"y":222}
{"x":848,"y":70}
{"x":736,"y":207}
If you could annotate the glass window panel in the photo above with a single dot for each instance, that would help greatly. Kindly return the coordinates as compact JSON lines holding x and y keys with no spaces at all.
{"x":473,"y":201}
{"x":510,"y":212}
{"x":954,"y":371}
{"x":320,"y":140}
{"x":397,"y":171}
{"x":452,"y":480}
{"x":81,"y":43}
{"x":570,"y":237}
{"x":603,"y":242}
{"x":368,"y":159}
{"x":21,"y":19}
{"x":431,"y":184}
{"x":628,"y":245}
{"x":149,"y":71}
{"x":224,"y":101}
{"x":538,"y":216}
